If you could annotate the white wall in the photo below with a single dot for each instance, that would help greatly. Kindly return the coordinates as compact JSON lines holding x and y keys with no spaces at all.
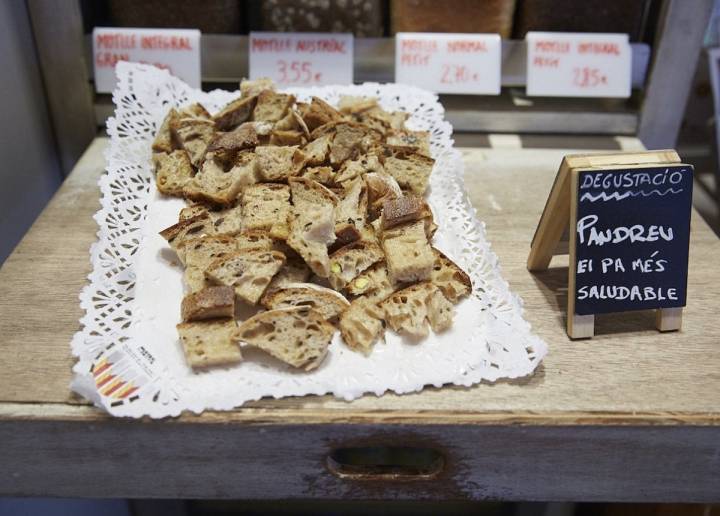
{"x":29,"y":168}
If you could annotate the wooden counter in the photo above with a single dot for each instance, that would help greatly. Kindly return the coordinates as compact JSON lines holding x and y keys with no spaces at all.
{"x":629,"y":415}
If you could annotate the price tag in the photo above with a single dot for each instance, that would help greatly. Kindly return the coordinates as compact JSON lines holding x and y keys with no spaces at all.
{"x":449,"y":63}
{"x":565,"y":64}
{"x":176,"y":50}
{"x":302,"y":59}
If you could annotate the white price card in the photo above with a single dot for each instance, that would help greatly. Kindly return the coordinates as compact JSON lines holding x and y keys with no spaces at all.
{"x":302,"y":59}
{"x":576,"y":64}
{"x":176,"y":50}
{"x":449,"y":63}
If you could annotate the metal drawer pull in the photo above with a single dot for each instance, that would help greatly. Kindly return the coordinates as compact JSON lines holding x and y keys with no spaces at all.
{"x":386,"y":463}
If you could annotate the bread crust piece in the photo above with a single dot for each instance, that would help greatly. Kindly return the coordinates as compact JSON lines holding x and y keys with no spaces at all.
{"x":235,"y":113}
{"x":410,"y":169}
{"x":275,"y":163}
{"x":316,"y":150}
{"x":272,"y":106}
{"x":287,"y":137}
{"x":192,"y":134}
{"x":306,"y":193}
{"x":216,"y":186}
{"x":452,"y":281}
{"x":320,"y":113}
{"x":326,"y":302}
{"x":248,"y":272}
{"x":225,"y":146}
{"x":249,"y":88}
{"x":419,"y":141}
{"x":208,"y":303}
{"x":373,"y":284}
{"x":295,"y":270}
{"x":407,"y":311}
{"x":323,"y":175}
{"x":408,"y":253}
{"x":361,"y":325}
{"x":408,"y":208}
{"x":189,"y":228}
{"x":266,"y":206}
{"x":163,"y":138}
{"x":173,"y":172}
{"x":298,"y":336}
{"x":348,"y":262}
{"x":209,"y":343}
{"x":351,"y":105}
{"x":350,"y":213}
{"x":311,"y":231}
{"x":381,"y":187}
{"x":355,"y":168}
{"x":199,"y":253}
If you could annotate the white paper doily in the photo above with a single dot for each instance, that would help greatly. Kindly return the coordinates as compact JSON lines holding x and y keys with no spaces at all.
{"x":129,"y":358}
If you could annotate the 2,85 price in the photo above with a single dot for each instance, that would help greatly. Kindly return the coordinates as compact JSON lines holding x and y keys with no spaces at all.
{"x":586,"y":77}
{"x":297,"y":72}
{"x":454,"y":74}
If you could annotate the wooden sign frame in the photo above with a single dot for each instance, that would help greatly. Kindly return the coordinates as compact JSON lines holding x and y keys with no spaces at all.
{"x":560,"y":214}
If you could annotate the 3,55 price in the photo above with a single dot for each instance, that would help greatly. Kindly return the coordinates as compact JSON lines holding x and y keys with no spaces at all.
{"x":586,"y":77}
{"x":297,"y":72}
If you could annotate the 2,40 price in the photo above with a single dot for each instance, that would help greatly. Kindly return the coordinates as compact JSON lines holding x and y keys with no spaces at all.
{"x":586,"y":77}
{"x":454,"y":74}
{"x":297,"y":72}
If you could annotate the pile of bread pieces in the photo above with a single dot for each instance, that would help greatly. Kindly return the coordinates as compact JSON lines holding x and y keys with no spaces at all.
{"x":313,"y":214}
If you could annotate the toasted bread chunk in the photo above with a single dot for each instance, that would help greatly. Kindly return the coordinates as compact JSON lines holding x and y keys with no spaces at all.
{"x":266,"y":206}
{"x":272,"y":106}
{"x":194,"y":279}
{"x":235,"y":113}
{"x":196,"y":110}
{"x":295,"y":270}
{"x":349,"y":261}
{"x":174,"y":171}
{"x":278,"y":163}
{"x":201,"y":252}
{"x":252,"y":88}
{"x":361,"y":325}
{"x":248,"y":272}
{"x":408,"y":254}
{"x":419,"y":141}
{"x":410,"y":170}
{"x":350,"y":212}
{"x":373,"y":284}
{"x":214,"y":185}
{"x":408,"y":310}
{"x":298,"y":336}
{"x":323,"y":175}
{"x":226,"y":146}
{"x":355,"y":168}
{"x":350,"y":105}
{"x":307,"y":193}
{"x":253,"y":240}
{"x":163,"y":138}
{"x":452,"y":281}
{"x":291,"y":137}
{"x":192,"y":211}
{"x":311,"y":231}
{"x":316,"y":151}
{"x":328,"y":303}
{"x":192,"y":134}
{"x":209,"y":343}
{"x":189,"y":228}
{"x":408,"y":208}
{"x":381,"y":187}
{"x":320,"y":113}
{"x":350,"y":140}
{"x":208,"y":303}
{"x":377,"y":117}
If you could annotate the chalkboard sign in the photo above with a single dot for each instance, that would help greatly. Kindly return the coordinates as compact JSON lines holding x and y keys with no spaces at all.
{"x":627,"y":216}
{"x":631,"y":238}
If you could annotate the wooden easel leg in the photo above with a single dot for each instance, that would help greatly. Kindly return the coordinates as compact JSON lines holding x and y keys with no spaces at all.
{"x":581,"y":326}
{"x":668,"y":319}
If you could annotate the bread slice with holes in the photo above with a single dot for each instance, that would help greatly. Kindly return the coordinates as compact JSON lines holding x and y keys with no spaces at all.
{"x":235,"y":113}
{"x":320,"y":113}
{"x":277,"y":164}
{"x":193,"y":134}
{"x":408,"y":311}
{"x":163,"y":138}
{"x":295,"y":270}
{"x":248,"y":272}
{"x":208,"y":303}
{"x":316,"y":151}
{"x":209,"y":343}
{"x":350,"y":212}
{"x":226,"y":146}
{"x":272,"y":106}
{"x":306,"y":193}
{"x":408,"y":253}
{"x":408,"y":208}
{"x":361,"y":325}
{"x":381,"y":187}
{"x":452,"y":281}
{"x":266,"y":206}
{"x":195,"y":227}
{"x":348,"y":262}
{"x":410,"y":169}
{"x":297,"y":336}
{"x":373,"y":284}
{"x":419,"y":141}
{"x":215,"y":185}
{"x":172,"y":172}
{"x":358,"y":167}
{"x":312,"y":230}
{"x":325,"y":301}
{"x":254,"y":240}
{"x":199,"y":253}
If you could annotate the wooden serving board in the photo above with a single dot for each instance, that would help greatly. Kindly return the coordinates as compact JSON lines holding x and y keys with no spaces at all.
{"x":630,"y":415}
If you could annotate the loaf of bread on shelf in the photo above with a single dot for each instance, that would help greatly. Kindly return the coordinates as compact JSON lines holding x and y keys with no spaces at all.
{"x":209,"y":343}
{"x":298,"y":336}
